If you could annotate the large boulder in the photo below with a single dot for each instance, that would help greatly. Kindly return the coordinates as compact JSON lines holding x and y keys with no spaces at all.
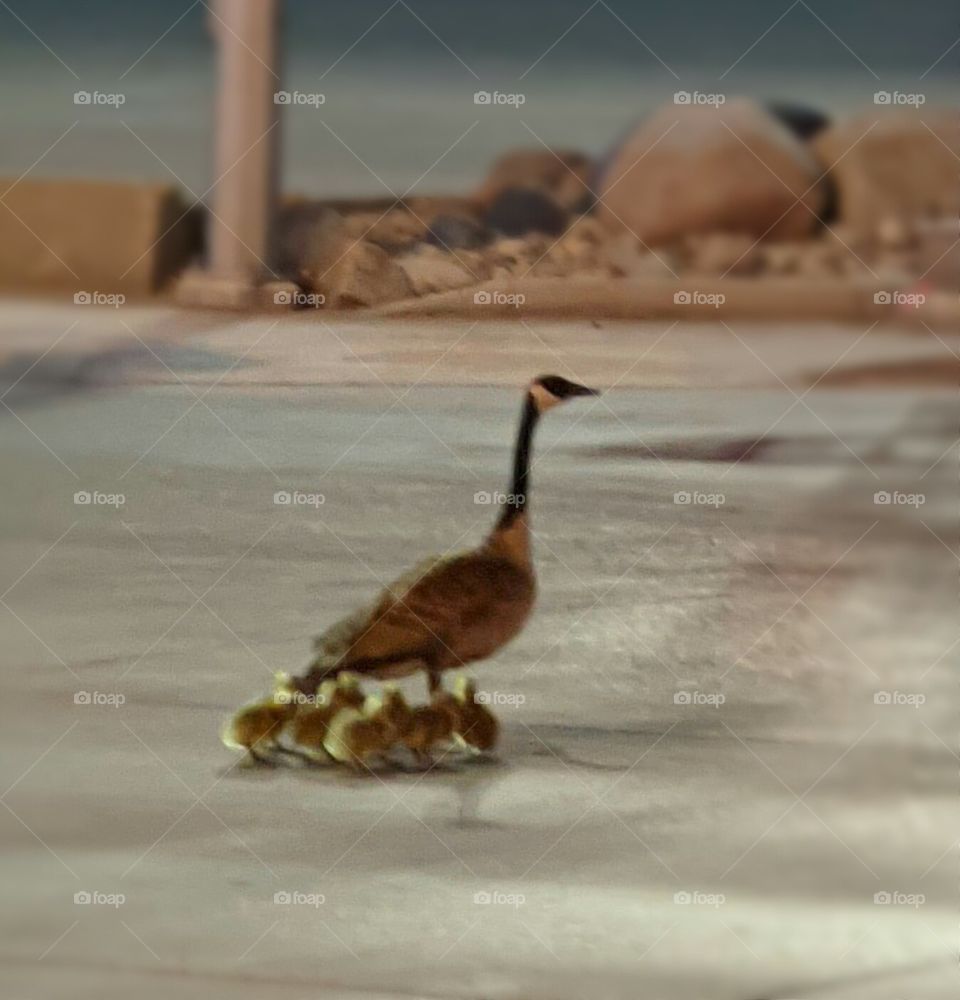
{"x":802,"y":120}
{"x":309,"y":238}
{"x":518,"y":211}
{"x":349,"y":272}
{"x":562,"y":174}
{"x":902,"y":166}
{"x":695,"y":169}
{"x":457,"y":232}
{"x":324,"y":254}
{"x":394,"y":231}
{"x":365,"y":275}
{"x":432,"y":269}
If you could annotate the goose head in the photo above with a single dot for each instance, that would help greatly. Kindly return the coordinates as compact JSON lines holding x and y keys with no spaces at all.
{"x":548,"y":391}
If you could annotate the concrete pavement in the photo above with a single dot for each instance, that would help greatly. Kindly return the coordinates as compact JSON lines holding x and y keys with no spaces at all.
{"x":729,"y":762}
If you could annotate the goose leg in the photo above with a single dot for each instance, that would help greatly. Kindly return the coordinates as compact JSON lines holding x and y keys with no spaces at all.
{"x":434,"y":681}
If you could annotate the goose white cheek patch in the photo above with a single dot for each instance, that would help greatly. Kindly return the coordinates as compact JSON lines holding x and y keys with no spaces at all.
{"x":543,"y":399}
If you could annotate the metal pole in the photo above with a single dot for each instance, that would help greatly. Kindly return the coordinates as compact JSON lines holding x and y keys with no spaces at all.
{"x":246,"y":142}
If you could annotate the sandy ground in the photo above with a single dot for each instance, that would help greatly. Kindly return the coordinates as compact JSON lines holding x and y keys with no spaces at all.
{"x":727,"y":728}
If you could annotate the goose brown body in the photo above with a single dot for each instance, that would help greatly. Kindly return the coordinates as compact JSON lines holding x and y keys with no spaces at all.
{"x":449,"y":611}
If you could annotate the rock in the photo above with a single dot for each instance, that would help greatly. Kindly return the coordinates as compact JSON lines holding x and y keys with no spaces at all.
{"x":309,"y":239}
{"x":518,"y":211}
{"x":938,"y":253}
{"x":396,"y":230}
{"x":893,"y":270}
{"x":723,"y":253}
{"x":782,"y":258}
{"x":564,"y":175}
{"x":589,"y":229}
{"x":457,"y":232}
{"x":576,"y":249}
{"x":579,"y":249}
{"x":325,"y":255}
{"x":803,"y":122}
{"x":820,"y":259}
{"x":279,"y":294}
{"x":515,"y":254}
{"x":429,"y":269}
{"x":365,"y":275}
{"x":312,"y":237}
{"x":696,"y":169}
{"x":904,"y":166}
{"x":518,"y":249}
{"x":894,"y":233}
{"x":624,"y":256}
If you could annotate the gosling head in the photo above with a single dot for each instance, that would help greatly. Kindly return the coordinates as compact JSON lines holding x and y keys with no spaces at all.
{"x":547,"y":391}
{"x":283,"y":689}
{"x":393,"y":696}
{"x":326,"y":692}
{"x":464,"y":689}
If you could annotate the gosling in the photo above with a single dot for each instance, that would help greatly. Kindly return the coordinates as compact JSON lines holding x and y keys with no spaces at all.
{"x":257,"y":727}
{"x":309,"y":727}
{"x":359,"y":737}
{"x":431,"y":727}
{"x":477,"y":727}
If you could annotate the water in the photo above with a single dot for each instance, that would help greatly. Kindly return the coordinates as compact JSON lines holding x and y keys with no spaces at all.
{"x":398,"y":100}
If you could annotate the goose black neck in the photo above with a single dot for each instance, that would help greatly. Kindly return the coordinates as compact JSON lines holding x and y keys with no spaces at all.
{"x":520,"y":486}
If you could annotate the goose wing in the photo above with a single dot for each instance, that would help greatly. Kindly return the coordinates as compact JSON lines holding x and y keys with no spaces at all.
{"x":421,"y":613}
{"x":387,"y":630}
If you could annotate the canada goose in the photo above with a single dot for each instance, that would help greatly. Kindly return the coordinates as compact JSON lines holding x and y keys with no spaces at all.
{"x":450,"y":611}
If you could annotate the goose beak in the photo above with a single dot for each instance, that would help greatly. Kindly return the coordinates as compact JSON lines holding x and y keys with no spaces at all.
{"x":583,"y":390}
